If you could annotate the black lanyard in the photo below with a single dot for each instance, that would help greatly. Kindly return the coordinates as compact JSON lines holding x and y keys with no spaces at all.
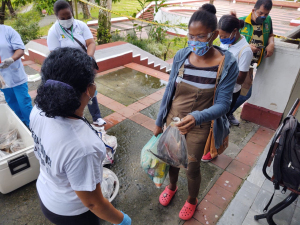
{"x":96,"y":132}
{"x":87,"y":122}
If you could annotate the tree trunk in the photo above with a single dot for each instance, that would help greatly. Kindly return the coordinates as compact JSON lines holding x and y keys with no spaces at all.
{"x":109,"y":6}
{"x":85,"y":10}
{"x":103,"y":32}
{"x":10,"y":8}
{"x":2,"y":12}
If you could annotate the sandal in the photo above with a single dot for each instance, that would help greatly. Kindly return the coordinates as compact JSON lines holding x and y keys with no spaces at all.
{"x":187,"y":211}
{"x":166,"y":196}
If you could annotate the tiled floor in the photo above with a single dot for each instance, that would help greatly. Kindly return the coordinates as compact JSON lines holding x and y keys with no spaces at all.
{"x":236,"y":171}
{"x":256,"y":192}
{"x":234,"y":166}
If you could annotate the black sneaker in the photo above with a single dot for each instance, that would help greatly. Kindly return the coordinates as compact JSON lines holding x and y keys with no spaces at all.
{"x":233,"y":121}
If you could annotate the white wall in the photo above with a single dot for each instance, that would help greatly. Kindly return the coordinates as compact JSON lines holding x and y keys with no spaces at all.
{"x":275,"y":78}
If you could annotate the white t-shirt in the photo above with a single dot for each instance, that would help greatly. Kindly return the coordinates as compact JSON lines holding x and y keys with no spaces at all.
{"x":70,"y":156}
{"x":57,"y":38}
{"x":244,"y":60}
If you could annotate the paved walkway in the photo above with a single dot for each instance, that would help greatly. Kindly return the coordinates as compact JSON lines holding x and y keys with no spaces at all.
{"x":236,"y":172}
{"x":132,"y":122}
{"x":281,"y":17}
{"x":254,"y":195}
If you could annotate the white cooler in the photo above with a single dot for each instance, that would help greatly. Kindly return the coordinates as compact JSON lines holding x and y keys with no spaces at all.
{"x":18,"y":168}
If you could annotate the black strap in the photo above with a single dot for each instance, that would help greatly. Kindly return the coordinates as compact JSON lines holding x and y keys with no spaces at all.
{"x":278,"y":155}
{"x":78,"y":42}
{"x":269,"y":203}
{"x":82,"y":46}
{"x":87,"y":122}
{"x":283,"y":191}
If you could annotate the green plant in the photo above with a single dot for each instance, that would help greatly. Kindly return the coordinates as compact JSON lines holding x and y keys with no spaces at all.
{"x":26,"y":25}
{"x":158,"y":33}
{"x":157,"y":49}
{"x":38,"y":4}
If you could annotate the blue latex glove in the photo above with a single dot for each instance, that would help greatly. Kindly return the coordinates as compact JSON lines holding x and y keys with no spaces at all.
{"x":126,"y":220}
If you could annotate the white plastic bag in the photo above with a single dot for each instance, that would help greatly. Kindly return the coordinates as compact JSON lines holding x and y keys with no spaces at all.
{"x":111,"y":145}
{"x":2,"y":97}
{"x":108,"y":184}
{"x":3,"y":84}
{"x":17,"y":145}
{"x":3,"y":154}
{"x":7,"y":138}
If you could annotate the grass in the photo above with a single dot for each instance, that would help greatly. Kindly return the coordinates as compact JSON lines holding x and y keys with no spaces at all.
{"x":44,"y":30}
{"x":124,"y":7}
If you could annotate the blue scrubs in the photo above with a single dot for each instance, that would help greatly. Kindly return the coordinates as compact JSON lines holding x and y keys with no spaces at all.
{"x":16,"y":95}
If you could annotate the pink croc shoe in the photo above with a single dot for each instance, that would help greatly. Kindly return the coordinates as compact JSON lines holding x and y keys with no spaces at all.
{"x":166,"y":196}
{"x":207,"y":157}
{"x":187,"y":211}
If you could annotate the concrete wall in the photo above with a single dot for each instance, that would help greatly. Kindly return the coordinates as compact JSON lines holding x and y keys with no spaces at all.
{"x":274,"y":86}
{"x":275,"y":79}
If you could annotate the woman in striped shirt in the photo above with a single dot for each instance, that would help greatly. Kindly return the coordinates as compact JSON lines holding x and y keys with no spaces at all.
{"x":190,"y":96}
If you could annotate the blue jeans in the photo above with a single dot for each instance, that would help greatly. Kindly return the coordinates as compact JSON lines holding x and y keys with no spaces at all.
{"x":19,"y":101}
{"x":94,"y":109}
{"x":241,"y":99}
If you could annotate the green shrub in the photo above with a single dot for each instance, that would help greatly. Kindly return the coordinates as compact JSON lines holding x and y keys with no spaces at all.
{"x":27,"y":26}
{"x":156,"y":49}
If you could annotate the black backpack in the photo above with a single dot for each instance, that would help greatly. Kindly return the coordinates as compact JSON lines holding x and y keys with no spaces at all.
{"x":286,"y":166}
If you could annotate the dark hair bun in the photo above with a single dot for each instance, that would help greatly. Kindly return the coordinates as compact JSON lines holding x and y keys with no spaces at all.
{"x":209,"y":8}
{"x":242,"y":23}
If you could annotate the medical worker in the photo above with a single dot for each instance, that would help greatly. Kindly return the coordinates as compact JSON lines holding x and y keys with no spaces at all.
{"x":13,"y":73}
{"x":68,"y":32}
{"x":69,"y":150}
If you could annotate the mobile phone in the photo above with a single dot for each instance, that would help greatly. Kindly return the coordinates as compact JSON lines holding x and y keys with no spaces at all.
{"x":260,"y":47}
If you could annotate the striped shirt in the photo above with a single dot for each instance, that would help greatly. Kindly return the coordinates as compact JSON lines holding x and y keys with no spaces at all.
{"x":202,"y":78}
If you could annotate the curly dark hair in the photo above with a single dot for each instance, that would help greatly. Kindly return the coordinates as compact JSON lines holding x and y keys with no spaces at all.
{"x":70,"y":66}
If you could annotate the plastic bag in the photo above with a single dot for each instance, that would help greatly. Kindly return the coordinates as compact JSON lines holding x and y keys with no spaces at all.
{"x":2,"y":97}
{"x":17,"y":145}
{"x":3,"y":84}
{"x":108,"y":184}
{"x":172,"y":148}
{"x":7,"y":138}
{"x":3,"y":154}
{"x":156,"y":169}
{"x":111,"y":145}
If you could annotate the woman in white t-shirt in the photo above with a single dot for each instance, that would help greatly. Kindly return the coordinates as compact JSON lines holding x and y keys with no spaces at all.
{"x":69,"y":150}
{"x":233,"y":41}
{"x":68,"y":32}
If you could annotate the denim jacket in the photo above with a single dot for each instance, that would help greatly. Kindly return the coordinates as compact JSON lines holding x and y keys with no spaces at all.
{"x":222,"y":100}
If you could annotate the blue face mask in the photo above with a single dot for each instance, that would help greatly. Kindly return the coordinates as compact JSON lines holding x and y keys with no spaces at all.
{"x":198,"y":47}
{"x":227,"y":41}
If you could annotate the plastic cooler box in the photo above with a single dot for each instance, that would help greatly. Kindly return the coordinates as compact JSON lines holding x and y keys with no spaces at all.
{"x":18,"y":168}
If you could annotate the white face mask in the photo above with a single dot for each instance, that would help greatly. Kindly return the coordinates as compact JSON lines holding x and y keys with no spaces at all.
{"x":66,"y":23}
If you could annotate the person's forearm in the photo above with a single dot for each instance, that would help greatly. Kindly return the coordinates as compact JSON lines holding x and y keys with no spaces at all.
{"x":108,"y":212}
{"x":91,"y":49}
{"x":271,"y":40}
{"x":18,"y":54}
{"x":241,"y":78}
